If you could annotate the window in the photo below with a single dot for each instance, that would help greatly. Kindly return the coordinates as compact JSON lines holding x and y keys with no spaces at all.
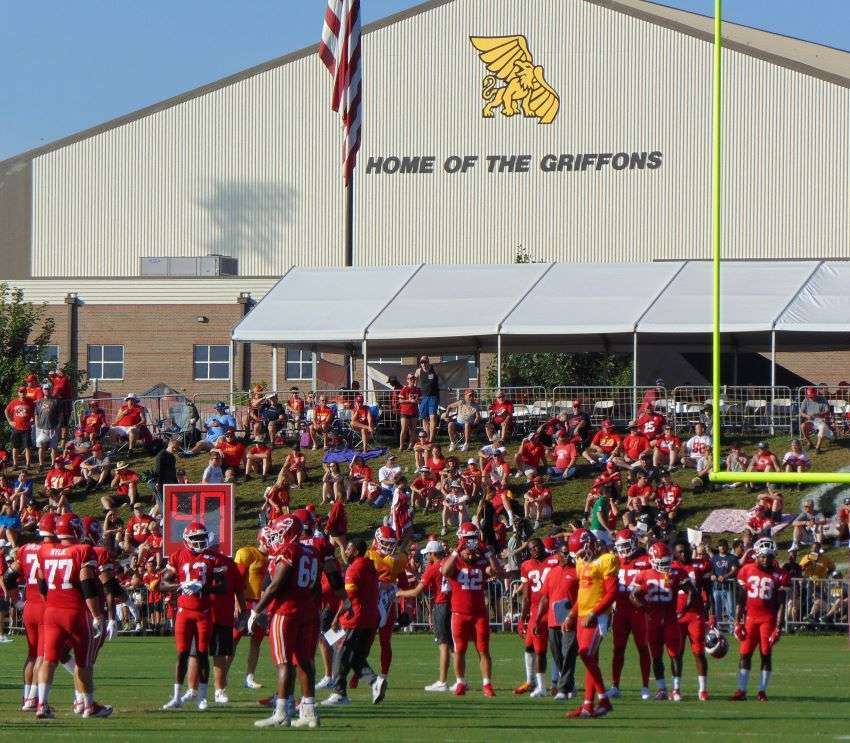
{"x":49,"y":355}
{"x":106,"y":362}
{"x":299,"y":363}
{"x":211,"y":362}
{"x":468,"y":358}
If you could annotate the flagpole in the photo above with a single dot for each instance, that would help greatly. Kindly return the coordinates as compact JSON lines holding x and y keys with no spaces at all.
{"x":348,"y":231}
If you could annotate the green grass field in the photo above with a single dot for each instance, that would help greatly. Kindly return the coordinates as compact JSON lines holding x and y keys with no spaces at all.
{"x":808,"y":699}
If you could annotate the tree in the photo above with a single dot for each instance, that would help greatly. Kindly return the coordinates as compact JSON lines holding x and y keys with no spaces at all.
{"x":25,"y":330}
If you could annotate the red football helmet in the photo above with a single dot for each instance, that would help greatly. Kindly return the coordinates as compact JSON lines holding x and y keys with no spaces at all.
{"x":284,"y":530}
{"x":47,"y":525}
{"x":660,"y":557}
{"x":196,"y":537}
{"x":69,"y":526}
{"x":468,"y":536}
{"x":92,"y":530}
{"x":583,"y":544}
{"x":625,"y":543}
{"x":386,"y":541}
{"x":307,"y":519}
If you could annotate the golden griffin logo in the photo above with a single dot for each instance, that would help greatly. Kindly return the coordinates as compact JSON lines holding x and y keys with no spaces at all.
{"x":525,"y":90}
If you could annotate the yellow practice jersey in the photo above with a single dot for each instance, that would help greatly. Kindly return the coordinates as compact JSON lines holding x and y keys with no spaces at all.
{"x":591,"y":580}
{"x":388,"y":567}
{"x":252,"y":564}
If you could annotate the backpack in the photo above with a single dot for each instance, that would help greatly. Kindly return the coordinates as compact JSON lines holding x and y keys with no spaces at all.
{"x":304,"y":440}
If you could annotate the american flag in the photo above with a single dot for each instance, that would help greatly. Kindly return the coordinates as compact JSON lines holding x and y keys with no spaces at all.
{"x":340,"y":52}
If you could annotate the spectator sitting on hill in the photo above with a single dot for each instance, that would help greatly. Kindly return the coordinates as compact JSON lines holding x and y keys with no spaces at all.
{"x":772,"y":502}
{"x":537,"y":502}
{"x":667,"y":449}
{"x":696,"y":446}
{"x":421,"y":448}
{"x":362,"y":421}
{"x":58,"y":483}
{"x":641,"y":494}
{"x":636,"y":451}
{"x":604,"y":446}
{"x":454,"y":507}
{"x":578,"y":426}
{"x":808,"y":526}
{"x":816,"y":564}
{"x":764,"y":460}
{"x":816,"y":419}
{"x":10,"y":525}
{"x":295,"y":405}
{"x":564,"y":454}
{"x":464,"y":414}
{"x":473,"y":479}
{"x":669,"y":496}
{"x":651,"y":424}
{"x":96,"y":469}
{"x":796,"y":460}
{"x":215,"y":426}
{"x":93,"y":423}
{"x":736,"y":461}
{"x":530,"y":460}
{"x":332,"y":484}
{"x":501,"y":419}
{"x":258,"y":459}
{"x":359,"y":476}
{"x":213,"y":473}
{"x":497,"y":471}
{"x":276,"y":499}
{"x":424,"y":491}
{"x":842,"y":520}
{"x":295,"y":466}
{"x":22,"y":491}
{"x":136,"y":530}
{"x":323,"y":418}
{"x":232,"y":455}
{"x":126,"y":484}
{"x":131,"y":421}
{"x":703,"y":465}
{"x":272,"y":418}
{"x":387,"y":481}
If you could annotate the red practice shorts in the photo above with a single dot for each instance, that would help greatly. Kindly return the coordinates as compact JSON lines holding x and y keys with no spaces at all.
{"x":192,"y":625}
{"x":538,"y":643}
{"x":629,"y":620}
{"x":64,"y":628}
{"x":33,"y":615}
{"x":589,"y":638}
{"x":466,"y":627}
{"x":692,"y":627}
{"x":293,"y":637}
{"x":759,"y":631}
{"x":257,"y":631}
{"x":663,"y":632}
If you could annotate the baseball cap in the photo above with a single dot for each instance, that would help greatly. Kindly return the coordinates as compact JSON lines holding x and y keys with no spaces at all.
{"x":131,"y":396}
{"x":607,"y":423}
{"x":470,"y":461}
{"x":761,"y":445}
{"x":433,"y":546}
{"x":549,"y":544}
{"x":576,"y":403}
{"x":32,"y":378}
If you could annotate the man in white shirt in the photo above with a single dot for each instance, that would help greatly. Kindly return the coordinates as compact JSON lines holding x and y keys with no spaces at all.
{"x":697,"y":445}
{"x":386,"y":478}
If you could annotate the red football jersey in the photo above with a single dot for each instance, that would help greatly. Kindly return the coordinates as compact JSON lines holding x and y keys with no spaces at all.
{"x":436,"y":583}
{"x":764,"y":588}
{"x":28,"y":561}
{"x":532,"y":454}
{"x":665,"y":443}
{"x":191,"y":566}
{"x":695,"y":571}
{"x":660,"y":591}
{"x":469,"y":586}
{"x":630,"y":568}
{"x":534,"y":573}
{"x":229,"y":582}
{"x":670,"y":496}
{"x":60,"y":566}
{"x":561,"y":588}
{"x":299,"y":593}
{"x":651,"y":424}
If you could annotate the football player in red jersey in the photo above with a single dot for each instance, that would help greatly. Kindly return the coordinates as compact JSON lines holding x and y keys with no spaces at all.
{"x":25,"y":567}
{"x":468,"y":569}
{"x":533,"y":572}
{"x":628,"y":619}
{"x":692,"y":620}
{"x":190,"y":571}
{"x":292,"y":598}
{"x":759,"y":614}
{"x":72,"y":613}
{"x":655,"y":591}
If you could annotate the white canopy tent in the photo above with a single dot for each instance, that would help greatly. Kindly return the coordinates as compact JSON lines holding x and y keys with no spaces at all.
{"x":578,"y":306}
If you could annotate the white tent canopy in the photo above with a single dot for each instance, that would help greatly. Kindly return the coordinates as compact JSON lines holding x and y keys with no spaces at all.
{"x":823,"y":304}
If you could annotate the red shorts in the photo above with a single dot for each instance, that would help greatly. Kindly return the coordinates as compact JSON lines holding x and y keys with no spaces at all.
{"x":539,"y":643}
{"x":629,"y":620}
{"x":589,"y":638}
{"x":190,"y":625}
{"x":759,"y":631}
{"x":33,"y":615}
{"x":64,"y":628}
{"x":385,"y":632}
{"x":692,"y":627}
{"x":466,"y":627}
{"x":258,"y":632}
{"x":663,"y":632}
{"x":293,"y":637}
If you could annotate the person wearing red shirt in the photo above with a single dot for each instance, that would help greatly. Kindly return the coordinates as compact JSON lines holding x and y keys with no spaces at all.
{"x":604,"y":446}
{"x":842,"y":519}
{"x":126,"y":484}
{"x":531,"y":457}
{"x":323,"y":418}
{"x":276,"y":499}
{"x":636,"y":449}
{"x":20,"y":414}
{"x":63,"y":389}
{"x":578,"y":426}
{"x":258,"y":459}
{"x":641,"y":494}
{"x":93,"y":423}
{"x":362,"y":422}
{"x":130,"y":421}
{"x":33,"y":389}
{"x":472,"y":478}
{"x":759,"y":614}
{"x":669,"y":496}
{"x":359,"y":477}
{"x":232,"y":455}
{"x":136,"y":529}
{"x":468,"y":569}
{"x":537,"y":501}
{"x":564,"y":454}
{"x":58,"y":483}
{"x":151,"y":548}
{"x":424,"y":491}
{"x":295,"y":405}
{"x":764,"y":460}
{"x":559,"y":593}
{"x":497,"y":470}
{"x":667,"y":448}
{"x":436,"y":462}
{"x":436,"y":585}
{"x":190,"y":573}
{"x":501,"y":418}
{"x":408,"y":410}
{"x":533,"y":572}
{"x":651,"y":424}
{"x":692,"y":620}
{"x":655,"y":591}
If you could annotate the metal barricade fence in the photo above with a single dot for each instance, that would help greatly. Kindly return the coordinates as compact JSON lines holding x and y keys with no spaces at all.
{"x":532,"y":405}
{"x":745,"y":409}
{"x":817,"y":602}
{"x":723,"y":596}
{"x":618,"y":404}
{"x":159,"y":409}
{"x":503,"y":605}
{"x":838,"y":400}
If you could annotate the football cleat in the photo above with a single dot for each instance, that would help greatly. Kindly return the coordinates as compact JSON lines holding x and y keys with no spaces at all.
{"x":221,"y":696}
{"x":326,"y":682}
{"x":459,"y":689}
{"x":539,"y":692}
{"x":703,"y":696}
{"x":308,"y":717}
{"x":761,"y":696}
{"x":739,"y":696}
{"x":249,"y":683}
{"x":603,"y":707}
{"x":379,"y":689}
{"x":44,"y":712}
{"x":614,"y":692}
{"x":274,"y":722}
{"x":560,"y":696}
{"x":437,"y":686}
{"x":189,"y":695}
{"x":29,"y":704}
{"x":522,"y":688}
{"x":78,"y":706}
{"x":489,"y":691}
{"x":173,"y":704}
{"x":203,"y":704}
{"x":676,"y":696}
{"x":98,"y":710}
{"x":661,"y":695}
{"x":584,"y":711}
{"x":335,"y":699}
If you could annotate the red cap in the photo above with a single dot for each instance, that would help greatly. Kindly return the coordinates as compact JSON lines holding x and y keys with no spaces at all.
{"x":576,"y":403}
{"x":607,"y":423}
{"x":549,"y":543}
{"x":811,"y":392}
{"x":32,"y":378}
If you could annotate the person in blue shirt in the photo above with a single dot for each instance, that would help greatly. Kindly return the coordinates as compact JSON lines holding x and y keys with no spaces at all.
{"x":216,"y":426}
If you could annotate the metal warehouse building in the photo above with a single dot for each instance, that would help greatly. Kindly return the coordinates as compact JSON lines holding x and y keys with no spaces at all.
{"x":600,"y":154}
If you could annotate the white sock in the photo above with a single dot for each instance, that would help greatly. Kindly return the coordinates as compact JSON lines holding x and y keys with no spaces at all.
{"x":529,"y":667}
{"x":280,"y":708}
{"x":541,"y":680}
{"x":661,"y":683}
{"x":27,"y":688}
{"x":484,"y":681}
{"x":249,"y":678}
{"x":79,"y":696}
{"x":202,"y":691}
{"x":677,"y":682}
{"x":176,"y":691}
{"x":308,"y":700}
{"x":70,"y":666}
{"x":461,"y":680}
{"x":703,"y":682}
{"x":743,"y":678}
{"x":765,"y":679}
{"x":43,"y":693}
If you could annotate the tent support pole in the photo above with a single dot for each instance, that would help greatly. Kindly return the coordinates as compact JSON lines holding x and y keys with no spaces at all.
{"x":274,"y":368}
{"x":772,"y":376}
{"x":499,"y":360}
{"x":634,"y":374}
{"x":314,"y":377}
{"x":231,"y":380}
{"x":365,"y":370}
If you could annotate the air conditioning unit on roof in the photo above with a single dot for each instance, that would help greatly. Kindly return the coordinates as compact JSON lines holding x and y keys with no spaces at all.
{"x":205,"y":265}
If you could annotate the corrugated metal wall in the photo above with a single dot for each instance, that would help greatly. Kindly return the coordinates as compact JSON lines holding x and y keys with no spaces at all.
{"x":252,"y":170}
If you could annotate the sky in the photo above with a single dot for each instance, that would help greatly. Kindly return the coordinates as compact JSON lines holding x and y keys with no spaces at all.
{"x":68,"y":66}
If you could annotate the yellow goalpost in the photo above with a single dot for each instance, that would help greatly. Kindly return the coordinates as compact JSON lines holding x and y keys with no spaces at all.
{"x":716,"y":474}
